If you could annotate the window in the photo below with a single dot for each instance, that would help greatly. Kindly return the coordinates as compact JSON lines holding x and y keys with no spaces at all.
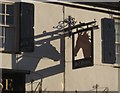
{"x":6,"y":26}
{"x":117,"y":28}
{"x":16,"y":27}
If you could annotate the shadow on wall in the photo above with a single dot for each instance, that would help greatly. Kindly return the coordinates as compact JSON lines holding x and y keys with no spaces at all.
{"x":43,"y":49}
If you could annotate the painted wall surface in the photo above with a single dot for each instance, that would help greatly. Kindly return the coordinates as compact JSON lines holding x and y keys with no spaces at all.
{"x":98,"y":74}
{"x":52,"y":58}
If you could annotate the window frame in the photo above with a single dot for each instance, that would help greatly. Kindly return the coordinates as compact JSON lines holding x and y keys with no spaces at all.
{"x":117,"y":42}
{"x":5,"y":26}
{"x":82,"y":62}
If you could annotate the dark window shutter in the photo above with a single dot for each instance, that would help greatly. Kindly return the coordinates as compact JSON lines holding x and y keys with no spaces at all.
{"x":17,"y":26}
{"x":20,"y":37}
{"x":9,"y":38}
{"x":26,"y":27}
{"x":1,"y":38}
{"x":108,"y":40}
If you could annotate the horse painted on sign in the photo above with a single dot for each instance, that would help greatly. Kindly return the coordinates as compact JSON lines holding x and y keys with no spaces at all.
{"x":83,"y":41}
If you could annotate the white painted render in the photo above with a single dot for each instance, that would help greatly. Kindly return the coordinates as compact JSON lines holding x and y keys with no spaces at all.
{"x":56,"y":79}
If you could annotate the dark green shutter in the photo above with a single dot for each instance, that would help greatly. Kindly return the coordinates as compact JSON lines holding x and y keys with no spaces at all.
{"x":108,"y":40}
{"x":26,"y":27}
{"x":24,"y":23}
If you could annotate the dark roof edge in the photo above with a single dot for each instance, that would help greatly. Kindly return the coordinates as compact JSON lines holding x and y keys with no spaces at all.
{"x":86,"y":8}
{"x":106,"y":5}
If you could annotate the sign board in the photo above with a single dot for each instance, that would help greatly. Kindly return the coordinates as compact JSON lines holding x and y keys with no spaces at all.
{"x":82,"y":47}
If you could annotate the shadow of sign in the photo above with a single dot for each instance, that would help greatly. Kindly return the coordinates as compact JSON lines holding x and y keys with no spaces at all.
{"x":43,"y":49}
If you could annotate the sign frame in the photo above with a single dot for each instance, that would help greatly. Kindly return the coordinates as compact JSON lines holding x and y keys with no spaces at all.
{"x":80,"y":63}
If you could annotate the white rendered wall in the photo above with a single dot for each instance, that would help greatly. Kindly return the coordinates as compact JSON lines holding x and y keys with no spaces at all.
{"x":54,"y":76}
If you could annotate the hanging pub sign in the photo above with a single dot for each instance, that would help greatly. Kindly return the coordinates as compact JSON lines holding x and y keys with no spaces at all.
{"x":82,"y":47}
{"x":82,"y":40}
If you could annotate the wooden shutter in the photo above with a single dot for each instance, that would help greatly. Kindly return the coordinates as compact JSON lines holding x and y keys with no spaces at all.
{"x":108,"y":40}
{"x":24,"y":22}
{"x":26,"y":27}
{"x":9,"y":40}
